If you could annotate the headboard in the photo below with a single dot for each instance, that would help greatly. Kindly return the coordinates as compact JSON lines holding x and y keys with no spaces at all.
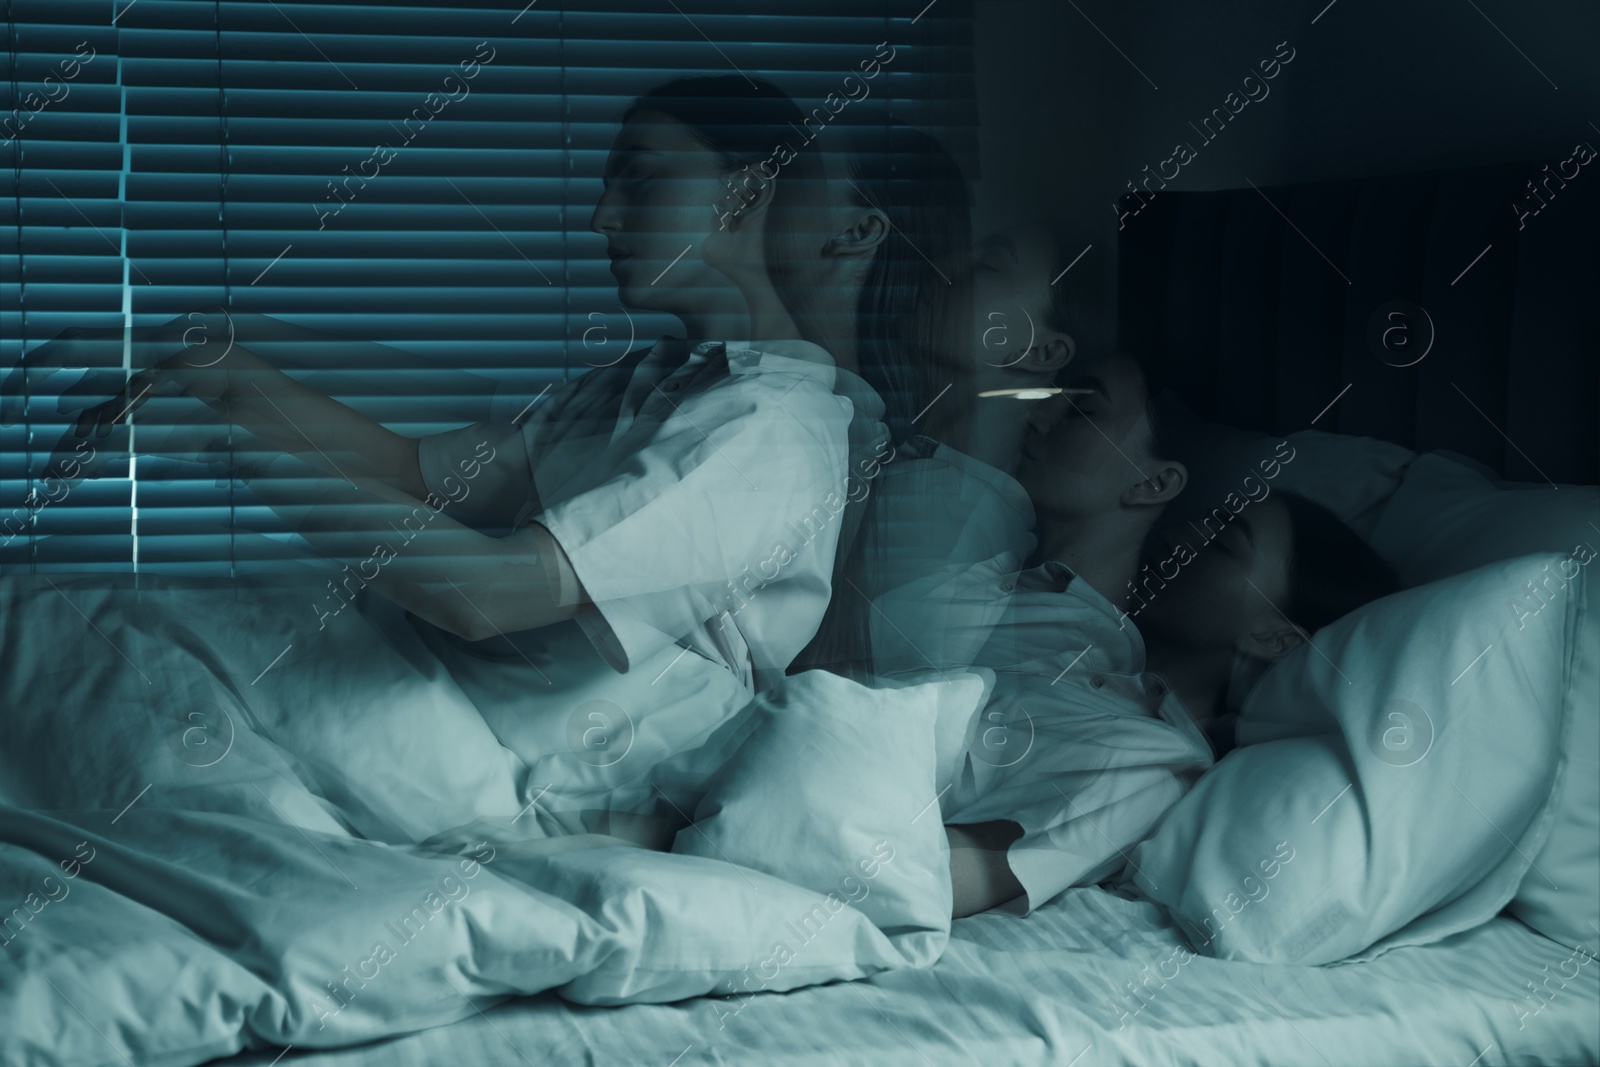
{"x":1261,"y":305}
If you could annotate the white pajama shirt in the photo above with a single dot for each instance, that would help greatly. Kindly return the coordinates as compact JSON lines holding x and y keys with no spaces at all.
{"x":699,"y":493}
{"x":695,"y":490}
{"x":1076,"y":742}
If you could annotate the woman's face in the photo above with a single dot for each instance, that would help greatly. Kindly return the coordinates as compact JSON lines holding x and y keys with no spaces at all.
{"x":1082,"y":452}
{"x":662,"y":188}
{"x":1013,"y":342}
{"x":1232,"y":585}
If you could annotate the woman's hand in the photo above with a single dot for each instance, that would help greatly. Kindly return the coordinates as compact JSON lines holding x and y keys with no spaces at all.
{"x":193,"y":372}
{"x":194,"y":437}
{"x":203,"y":338}
{"x":192,"y":355}
{"x":201,"y":355}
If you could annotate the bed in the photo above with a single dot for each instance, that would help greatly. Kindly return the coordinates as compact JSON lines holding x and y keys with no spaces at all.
{"x":1264,"y":343}
{"x":1099,"y":976}
{"x":1053,"y":989}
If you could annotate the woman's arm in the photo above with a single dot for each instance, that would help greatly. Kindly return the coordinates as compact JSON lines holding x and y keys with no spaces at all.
{"x":469,"y":583}
{"x":206,"y":354}
{"x":249,"y":392}
{"x":979,"y":874}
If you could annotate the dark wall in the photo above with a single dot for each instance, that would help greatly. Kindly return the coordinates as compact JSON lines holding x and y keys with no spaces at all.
{"x":1375,"y":86}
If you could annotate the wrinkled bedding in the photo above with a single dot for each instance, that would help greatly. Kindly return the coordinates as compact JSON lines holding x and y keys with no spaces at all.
{"x":205,"y":848}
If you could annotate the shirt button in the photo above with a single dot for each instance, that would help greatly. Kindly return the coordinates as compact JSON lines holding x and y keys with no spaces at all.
{"x":1006,"y":587}
{"x":1098,"y":682}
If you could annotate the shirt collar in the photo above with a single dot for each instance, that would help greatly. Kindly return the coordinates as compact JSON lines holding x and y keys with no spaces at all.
{"x":1053,"y":576}
{"x":747,"y":355}
{"x":741,"y":355}
{"x":744,"y":357}
{"x":1060,"y":572}
{"x":795,"y":356}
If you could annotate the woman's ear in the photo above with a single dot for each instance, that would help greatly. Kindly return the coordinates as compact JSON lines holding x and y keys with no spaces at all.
{"x":749,"y":195}
{"x":1164,"y":481}
{"x":867,"y":229}
{"x":1043,"y":361}
{"x":1049,"y":358}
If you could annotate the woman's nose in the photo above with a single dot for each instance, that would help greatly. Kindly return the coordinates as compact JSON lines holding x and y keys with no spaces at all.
{"x":607,"y":217}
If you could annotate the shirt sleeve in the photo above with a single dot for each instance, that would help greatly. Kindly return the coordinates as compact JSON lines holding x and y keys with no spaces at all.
{"x":1086,"y":839}
{"x":734,"y":497}
{"x":481,"y":471}
{"x":1086,"y":785}
{"x":498,"y":493}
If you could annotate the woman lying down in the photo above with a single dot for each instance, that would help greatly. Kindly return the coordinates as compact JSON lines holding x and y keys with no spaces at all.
{"x":1107,"y":691}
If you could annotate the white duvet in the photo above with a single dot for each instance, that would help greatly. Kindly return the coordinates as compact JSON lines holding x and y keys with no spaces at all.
{"x":206,"y":820}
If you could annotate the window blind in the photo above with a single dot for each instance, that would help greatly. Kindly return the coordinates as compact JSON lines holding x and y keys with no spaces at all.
{"x":415,"y":174}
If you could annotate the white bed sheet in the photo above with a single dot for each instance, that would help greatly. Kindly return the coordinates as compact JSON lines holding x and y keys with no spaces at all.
{"x":1050,"y":988}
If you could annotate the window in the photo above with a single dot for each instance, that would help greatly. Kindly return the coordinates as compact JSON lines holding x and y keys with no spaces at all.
{"x":415,"y":174}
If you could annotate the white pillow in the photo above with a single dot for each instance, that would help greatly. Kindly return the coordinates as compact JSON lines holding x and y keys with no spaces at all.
{"x":834,"y":790}
{"x":1448,"y":517}
{"x":1354,"y":477}
{"x":1393,"y":781}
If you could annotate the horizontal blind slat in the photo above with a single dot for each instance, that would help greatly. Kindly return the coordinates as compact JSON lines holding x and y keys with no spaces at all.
{"x":205,"y":140}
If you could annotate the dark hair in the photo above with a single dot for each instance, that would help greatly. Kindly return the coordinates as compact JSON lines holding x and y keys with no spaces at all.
{"x":1332,"y":571}
{"x":745,"y":123}
{"x":1163,"y":442}
{"x":736,"y":117}
{"x":906,"y":313}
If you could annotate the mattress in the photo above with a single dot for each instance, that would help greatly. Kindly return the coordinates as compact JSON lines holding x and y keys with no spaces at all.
{"x":1090,"y":978}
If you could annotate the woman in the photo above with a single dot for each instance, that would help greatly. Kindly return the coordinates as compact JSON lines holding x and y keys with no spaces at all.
{"x":1028,"y":322}
{"x":1091,"y":731}
{"x":1247,"y":595}
{"x":895,"y":254}
{"x":672,"y":517}
{"x":867,"y":264}
{"x":678,"y":147}
{"x":950,"y":501}
{"x":1050,"y":622}
{"x":1112,"y":695}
